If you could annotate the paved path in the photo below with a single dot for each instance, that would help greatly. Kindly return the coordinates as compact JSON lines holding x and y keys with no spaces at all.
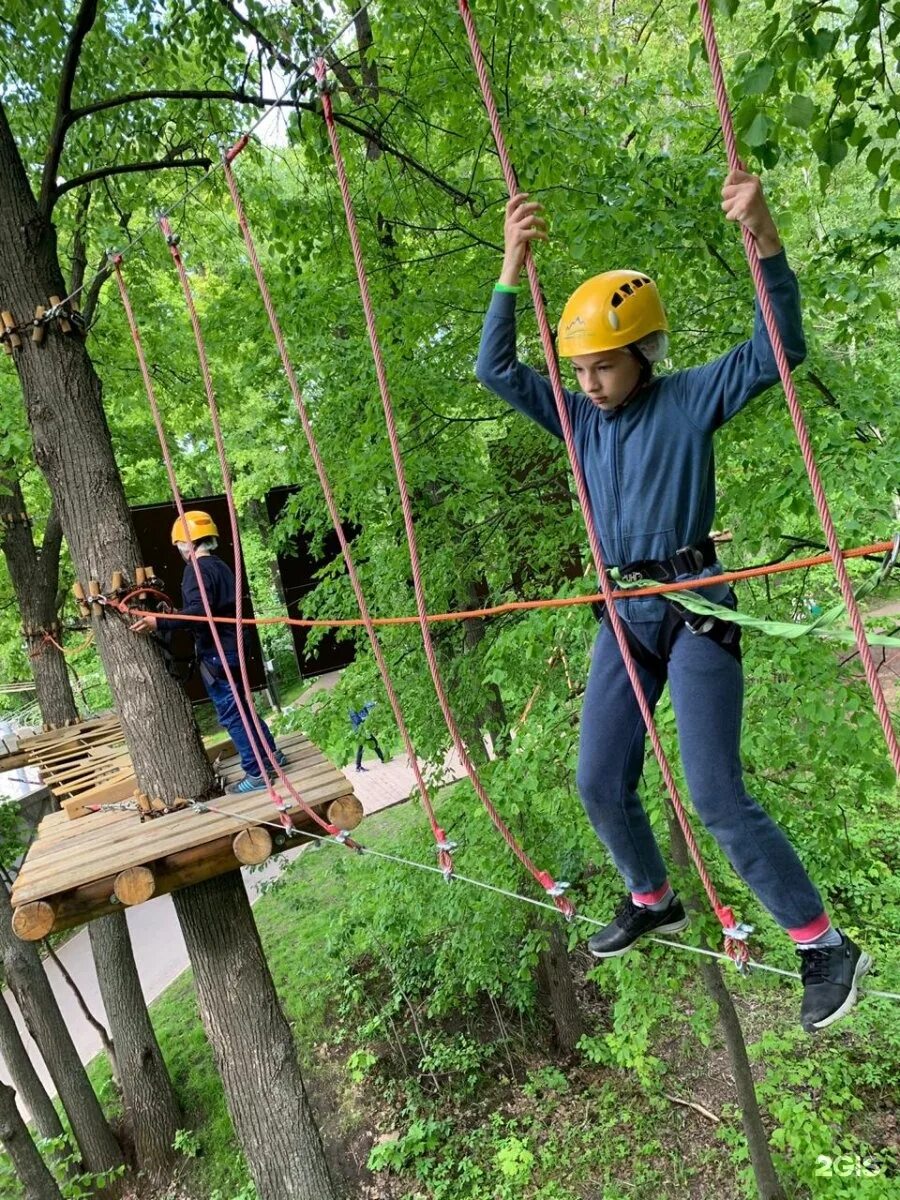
{"x":159,"y":948}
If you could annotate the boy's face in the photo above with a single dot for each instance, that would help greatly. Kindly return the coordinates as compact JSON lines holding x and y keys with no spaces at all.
{"x":607,"y":378}
{"x":184,"y":549}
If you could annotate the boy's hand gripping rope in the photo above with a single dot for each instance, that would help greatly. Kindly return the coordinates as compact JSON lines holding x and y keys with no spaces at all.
{"x":542,"y":877}
{"x":735,"y":943}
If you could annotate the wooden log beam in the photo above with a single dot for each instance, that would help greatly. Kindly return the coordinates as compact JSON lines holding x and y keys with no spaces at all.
{"x":182,"y":869}
{"x":34,"y":921}
{"x":134,"y":886}
{"x":252,"y":846}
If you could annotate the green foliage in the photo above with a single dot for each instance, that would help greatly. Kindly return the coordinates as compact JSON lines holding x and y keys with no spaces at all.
{"x":623,"y":152}
{"x":73,"y":1182}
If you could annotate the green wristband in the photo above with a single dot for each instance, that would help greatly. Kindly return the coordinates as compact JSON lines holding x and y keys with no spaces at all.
{"x":507,"y":287}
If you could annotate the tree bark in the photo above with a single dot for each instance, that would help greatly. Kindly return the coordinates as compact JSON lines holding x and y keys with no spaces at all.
{"x":73,"y":448}
{"x":556,"y":990}
{"x":252,"y":1043}
{"x":25,"y":1077}
{"x":98,"y":1027}
{"x":767,"y":1182}
{"x":148,"y":1097}
{"x":25,"y":975}
{"x":30,"y":1167}
{"x":35,"y":578}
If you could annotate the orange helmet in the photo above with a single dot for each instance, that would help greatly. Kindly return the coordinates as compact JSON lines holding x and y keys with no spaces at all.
{"x":199,"y":525}
{"x":609,"y":312}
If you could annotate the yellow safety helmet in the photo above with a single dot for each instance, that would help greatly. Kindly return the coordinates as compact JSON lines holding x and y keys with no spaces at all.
{"x":609,"y":312}
{"x":199,"y":525}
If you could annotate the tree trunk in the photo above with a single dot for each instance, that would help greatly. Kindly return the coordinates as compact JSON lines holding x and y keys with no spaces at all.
{"x":767,"y":1182}
{"x":72,"y":446}
{"x":252,"y":1043}
{"x":25,"y":1077}
{"x":30,"y":1167}
{"x":98,"y":1027}
{"x":25,"y":975}
{"x":556,"y":990}
{"x":35,"y":578}
{"x":148,"y":1097}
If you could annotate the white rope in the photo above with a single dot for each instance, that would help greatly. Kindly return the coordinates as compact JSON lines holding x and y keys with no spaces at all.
{"x":510,"y":895}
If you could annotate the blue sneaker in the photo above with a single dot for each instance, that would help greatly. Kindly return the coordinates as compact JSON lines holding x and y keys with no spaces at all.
{"x":281,"y":760}
{"x":250,"y":783}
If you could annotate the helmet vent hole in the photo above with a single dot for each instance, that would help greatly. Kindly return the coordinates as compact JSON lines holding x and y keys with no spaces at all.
{"x":627,"y":289}
{"x":617,"y":299}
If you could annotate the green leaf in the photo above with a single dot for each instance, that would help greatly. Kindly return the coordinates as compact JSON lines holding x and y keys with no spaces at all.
{"x":830,"y":150}
{"x":758,"y":131}
{"x":800,"y":112}
{"x":757,"y":81}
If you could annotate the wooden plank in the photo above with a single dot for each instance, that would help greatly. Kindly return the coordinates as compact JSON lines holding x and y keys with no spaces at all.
{"x":173,"y":872}
{"x":131,"y":844}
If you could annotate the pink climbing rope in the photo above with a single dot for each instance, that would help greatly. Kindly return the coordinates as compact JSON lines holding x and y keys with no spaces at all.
{"x":735,"y":935}
{"x":443,"y":845}
{"x":790,"y":392}
{"x":150,"y":390}
{"x":553,"y":888}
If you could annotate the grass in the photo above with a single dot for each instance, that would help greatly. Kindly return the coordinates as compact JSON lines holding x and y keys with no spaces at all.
{"x":467,"y":1101}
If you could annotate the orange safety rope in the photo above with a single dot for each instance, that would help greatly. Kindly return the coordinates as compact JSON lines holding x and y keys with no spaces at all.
{"x":512,"y":606}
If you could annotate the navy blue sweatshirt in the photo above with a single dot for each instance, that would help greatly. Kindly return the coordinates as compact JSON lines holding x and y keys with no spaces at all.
{"x":218,"y":578}
{"x":649,"y":465}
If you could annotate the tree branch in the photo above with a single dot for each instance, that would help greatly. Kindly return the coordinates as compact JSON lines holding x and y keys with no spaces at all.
{"x":48,"y":557}
{"x":234,"y":95}
{"x":162,"y":164}
{"x":79,"y":242}
{"x":84,"y":22}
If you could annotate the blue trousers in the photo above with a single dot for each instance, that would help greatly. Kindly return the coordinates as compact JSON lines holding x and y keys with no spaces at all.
{"x":707,"y":689}
{"x":229,"y":717}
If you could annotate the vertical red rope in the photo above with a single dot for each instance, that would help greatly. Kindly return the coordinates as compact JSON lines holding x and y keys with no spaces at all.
{"x":554,"y":889}
{"x":277,"y":800}
{"x":734,"y":945}
{"x":440,"y":837}
{"x":790,"y":392}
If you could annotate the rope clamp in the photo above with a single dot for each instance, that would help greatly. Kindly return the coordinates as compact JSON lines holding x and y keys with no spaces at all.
{"x":446,"y":846}
{"x":559,"y":888}
{"x":738,"y":933}
{"x":342,"y":836}
{"x":199,"y":806}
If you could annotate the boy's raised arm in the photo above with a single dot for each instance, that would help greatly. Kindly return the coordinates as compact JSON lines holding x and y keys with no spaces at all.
{"x":498,"y":367}
{"x":712,"y":394}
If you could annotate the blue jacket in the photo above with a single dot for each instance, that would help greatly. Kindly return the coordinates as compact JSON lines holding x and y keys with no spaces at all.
{"x":649,"y":465}
{"x":218,"y":579}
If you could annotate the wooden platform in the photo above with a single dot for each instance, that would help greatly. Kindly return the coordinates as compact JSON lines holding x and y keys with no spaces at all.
{"x":77,"y":870}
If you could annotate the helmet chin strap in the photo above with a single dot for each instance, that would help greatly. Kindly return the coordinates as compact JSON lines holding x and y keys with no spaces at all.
{"x":643,"y":378}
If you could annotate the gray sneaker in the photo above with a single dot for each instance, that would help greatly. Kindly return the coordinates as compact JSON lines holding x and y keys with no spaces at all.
{"x":632,"y":922}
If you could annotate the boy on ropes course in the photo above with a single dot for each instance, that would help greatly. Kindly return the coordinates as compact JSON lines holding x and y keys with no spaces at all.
{"x":645,"y":444}
{"x":218,"y":579}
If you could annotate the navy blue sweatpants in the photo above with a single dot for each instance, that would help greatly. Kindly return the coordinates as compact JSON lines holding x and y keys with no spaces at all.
{"x":707,"y":689}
